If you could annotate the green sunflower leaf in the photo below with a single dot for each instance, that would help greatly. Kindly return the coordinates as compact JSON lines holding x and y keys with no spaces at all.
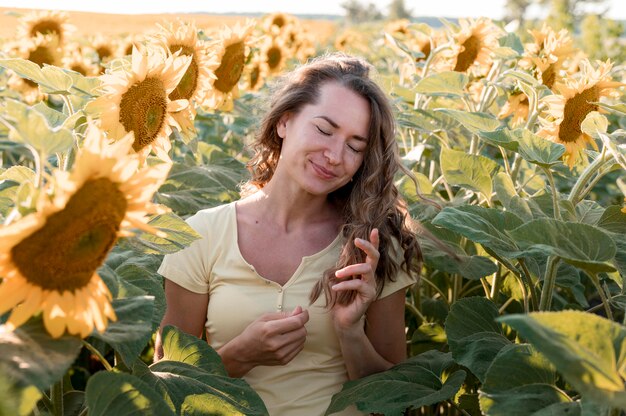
{"x":50,"y":78}
{"x":581,"y":245}
{"x":521,"y":382}
{"x":587,"y":350}
{"x":448,"y":83}
{"x":185,"y":348}
{"x":30,"y":126}
{"x":470,"y":171}
{"x":475,"y":122}
{"x":486,"y":226}
{"x":110,"y":393}
{"x":537,"y":150}
{"x":180,"y":381}
{"x":132,"y":330}
{"x":473,"y":334}
{"x":416,"y":382}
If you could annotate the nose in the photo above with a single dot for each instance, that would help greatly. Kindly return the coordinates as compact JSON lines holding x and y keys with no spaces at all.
{"x":333,"y":153}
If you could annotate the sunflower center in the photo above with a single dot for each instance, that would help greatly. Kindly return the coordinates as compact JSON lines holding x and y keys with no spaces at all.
{"x":575,"y":111}
{"x":143,"y":109}
{"x":46,"y":27}
{"x":279,"y":21}
{"x":188,"y":83}
{"x":104,"y":52}
{"x":40,"y":55}
{"x":548,"y":77}
{"x":229,"y":71}
{"x":274,"y":55}
{"x":469,"y":54}
{"x":65,"y":253}
{"x":426,"y":51}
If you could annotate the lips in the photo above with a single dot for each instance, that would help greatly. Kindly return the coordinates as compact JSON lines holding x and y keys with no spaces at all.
{"x":323,"y":172}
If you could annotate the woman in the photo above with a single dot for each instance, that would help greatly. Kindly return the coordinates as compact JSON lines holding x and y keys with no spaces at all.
{"x":300,"y":285}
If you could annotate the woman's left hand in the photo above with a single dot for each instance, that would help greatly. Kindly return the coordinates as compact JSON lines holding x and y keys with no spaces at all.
{"x":363,"y":282}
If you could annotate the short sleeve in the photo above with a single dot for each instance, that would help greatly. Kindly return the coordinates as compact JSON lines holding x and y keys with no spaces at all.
{"x":402,"y":278}
{"x":189,"y":266}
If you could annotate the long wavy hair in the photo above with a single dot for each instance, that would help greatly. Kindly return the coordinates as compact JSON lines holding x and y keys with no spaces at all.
{"x":371,"y":200}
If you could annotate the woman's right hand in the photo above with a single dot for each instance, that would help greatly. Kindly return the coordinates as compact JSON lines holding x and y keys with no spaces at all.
{"x":272,"y":339}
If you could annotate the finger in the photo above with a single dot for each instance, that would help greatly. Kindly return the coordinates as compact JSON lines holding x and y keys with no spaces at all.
{"x":370,"y":249}
{"x":354,"y":270}
{"x":291,"y":323}
{"x":356,"y":284}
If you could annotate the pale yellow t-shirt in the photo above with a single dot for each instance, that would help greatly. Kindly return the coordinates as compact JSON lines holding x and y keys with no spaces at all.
{"x":238,"y":295}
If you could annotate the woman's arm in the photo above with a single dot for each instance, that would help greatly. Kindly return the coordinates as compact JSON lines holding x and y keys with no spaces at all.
{"x":186,"y":310}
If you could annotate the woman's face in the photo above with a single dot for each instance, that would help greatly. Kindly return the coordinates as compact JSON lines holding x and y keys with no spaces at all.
{"x":324,"y":143}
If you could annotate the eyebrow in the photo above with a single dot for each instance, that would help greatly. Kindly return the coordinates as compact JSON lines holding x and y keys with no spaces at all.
{"x":335,"y":125}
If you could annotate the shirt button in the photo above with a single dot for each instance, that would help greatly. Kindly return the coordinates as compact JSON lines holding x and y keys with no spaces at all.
{"x":280,"y":290}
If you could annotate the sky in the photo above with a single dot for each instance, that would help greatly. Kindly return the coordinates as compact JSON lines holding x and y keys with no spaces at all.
{"x":437,"y":8}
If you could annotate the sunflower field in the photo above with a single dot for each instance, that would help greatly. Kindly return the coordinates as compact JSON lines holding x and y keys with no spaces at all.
{"x":517,"y":146}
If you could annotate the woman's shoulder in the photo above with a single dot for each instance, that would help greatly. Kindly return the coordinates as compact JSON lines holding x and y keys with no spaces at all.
{"x":217,"y":216}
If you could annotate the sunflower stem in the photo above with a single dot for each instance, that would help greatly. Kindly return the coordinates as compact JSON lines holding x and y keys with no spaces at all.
{"x":413,"y":309}
{"x":529,"y":282}
{"x":56,"y":396}
{"x":576,"y":194}
{"x":605,"y":301}
{"x":97,"y":353}
{"x":46,"y":402}
{"x":549,"y":281}
{"x":555,"y":195}
{"x":68,"y":104}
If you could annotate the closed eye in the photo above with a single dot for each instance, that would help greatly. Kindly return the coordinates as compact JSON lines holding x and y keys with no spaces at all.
{"x":354,"y":149}
{"x":322,"y":131}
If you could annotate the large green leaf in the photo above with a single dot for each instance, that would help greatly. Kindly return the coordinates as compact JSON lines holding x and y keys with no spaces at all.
{"x":119,"y":394}
{"x":500,"y":137}
{"x":521,"y":382}
{"x":473,"y":334}
{"x":475,"y":122}
{"x":449,"y":83}
{"x":486,"y":226}
{"x":185,"y":348}
{"x":418,"y":381}
{"x":613,"y":219}
{"x":181,"y":380}
{"x":191,"y":188}
{"x":51,"y":79}
{"x":589,"y":351}
{"x":538,"y":150}
{"x":474,"y":172}
{"x":178,"y":235}
{"x":132,"y":330}
{"x":31,"y":127}
{"x":581,"y":245}
{"x":32,"y":357}
{"x":206,"y":404}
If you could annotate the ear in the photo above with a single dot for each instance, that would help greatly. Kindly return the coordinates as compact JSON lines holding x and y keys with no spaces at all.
{"x":281,"y":127}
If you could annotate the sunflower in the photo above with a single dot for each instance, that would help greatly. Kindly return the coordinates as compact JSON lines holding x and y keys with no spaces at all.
{"x":275,"y":23}
{"x":77,"y":59}
{"x":475,"y":42}
{"x":518,"y":106}
{"x":125,"y":45}
{"x":231,"y":49}
{"x":255,"y":73}
{"x":274,"y":53}
{"x":624,"y":207}
{"x":548,"y":55}
{"x":45,"y":22}
{"x":398,"y":27}
{"x":567,"y":110}
{"x":106,"y":50}
{"x":40,"y":50}
{"x":49,"y":259}
{"x":198,"y":78}
{"x":138,"y":100}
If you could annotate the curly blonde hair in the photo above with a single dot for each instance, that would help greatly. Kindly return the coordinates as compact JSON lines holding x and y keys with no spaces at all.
{"x":371,"y":200}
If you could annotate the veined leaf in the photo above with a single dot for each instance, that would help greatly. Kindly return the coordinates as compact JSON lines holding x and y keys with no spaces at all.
{"x":482,"y":225}
{"x":178,"y":235}
{"x":506,"y":193}
{"x":500,"y":137}
{"x":474,"y":335}
{"x":473,"y":121}
{"x":51,"y":79}
{"x":474,"y":172}
{"x":588,"y":350}
{"x":613,"y":220}
{"x":521,"y":382}
{"x":185,"y":348}
{"x":31,"y":127}
{"x":416,"y":382}
{"x":581,"y":245}
{"x":538,"y":150}
{"x":110,"y":393}
{"x":448,"y":83}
